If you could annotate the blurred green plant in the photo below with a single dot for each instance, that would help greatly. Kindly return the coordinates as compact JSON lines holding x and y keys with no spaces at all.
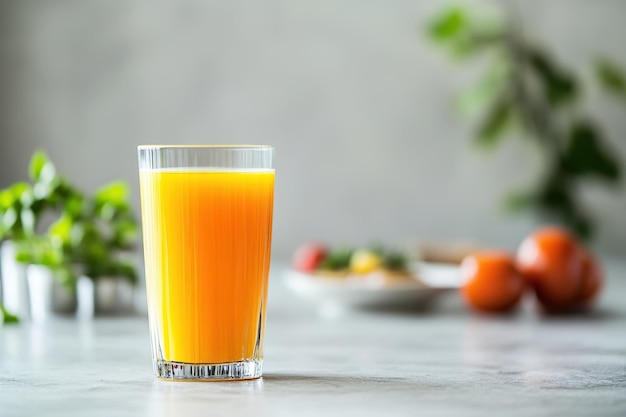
{"x":338,"y":259}
{"x":524,"y":88}
{"x":90,"y":234}
{"x":6,"y":317}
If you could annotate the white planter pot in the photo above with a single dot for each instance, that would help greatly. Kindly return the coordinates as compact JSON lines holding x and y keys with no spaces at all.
{"x":85,"y":297}
{"x":47,"y":296}
{"x":14,"y":283}
{"x":104,"y":296}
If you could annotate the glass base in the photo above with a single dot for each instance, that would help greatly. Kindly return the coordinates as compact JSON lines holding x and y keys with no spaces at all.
{"x":180,"y":371}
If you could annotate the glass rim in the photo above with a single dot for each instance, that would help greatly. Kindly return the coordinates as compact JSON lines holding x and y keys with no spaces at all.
{"x":205,"y":146}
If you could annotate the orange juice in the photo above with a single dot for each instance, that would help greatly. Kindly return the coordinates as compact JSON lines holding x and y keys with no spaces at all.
{"x":207,"y":240}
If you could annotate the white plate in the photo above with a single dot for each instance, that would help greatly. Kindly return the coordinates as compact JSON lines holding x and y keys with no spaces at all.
{"x":374,"y":290}
{"x":439,"y":275}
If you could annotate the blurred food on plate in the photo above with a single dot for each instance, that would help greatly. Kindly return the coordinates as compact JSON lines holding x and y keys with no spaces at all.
{"x":341,"y":262}
{"x":445,"y":252}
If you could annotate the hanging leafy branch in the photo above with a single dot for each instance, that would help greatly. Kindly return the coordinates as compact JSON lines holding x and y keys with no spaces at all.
{"x":525,"y":88}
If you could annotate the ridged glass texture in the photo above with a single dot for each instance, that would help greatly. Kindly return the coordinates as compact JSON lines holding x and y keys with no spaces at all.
{"x":237,"y":370}
{"x":241,"y":157}
{"x":207,"y":225}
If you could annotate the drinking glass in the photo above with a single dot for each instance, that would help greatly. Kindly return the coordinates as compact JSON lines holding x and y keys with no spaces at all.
{"x":207,"y":231}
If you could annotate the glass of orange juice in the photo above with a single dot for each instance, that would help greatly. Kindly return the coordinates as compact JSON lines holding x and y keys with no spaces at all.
{"x":207,"y":231}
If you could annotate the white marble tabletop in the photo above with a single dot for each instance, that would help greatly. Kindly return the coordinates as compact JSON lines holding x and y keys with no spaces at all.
{"x":445,"y":361}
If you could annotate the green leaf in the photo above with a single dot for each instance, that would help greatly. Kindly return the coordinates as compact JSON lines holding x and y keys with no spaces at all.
{"x":42,"y":191}
{"x":495,"y":123}
{"x":485,"y":91}
{"x":586,"y":154}
{"x":18,"y":189}
{"x":115,"y":193}
{"x":62,"y":228}
{"x":556,"y":195}
{"x":448,"y":25}
{"x":27,"y":217}
{"x":337,"y":260}
{"x":611,"y":77}
{"x":74,"y":206}
{"x":64,"y":190}
{"x":81,"y":234}
{"x":39,"y":250}
{"x":125,"y":232}
{"x":10,"y":219}
{"x":560,"y":87}
{"x":27,"y":198}
{"x":6,"y":199}
{"x":465,"y":35}
{"x":562,"y":90}
{"x":394,"y":260}
{"x":7,"y":317}
{"x":37,"y":163}
{"x":557,"y":201}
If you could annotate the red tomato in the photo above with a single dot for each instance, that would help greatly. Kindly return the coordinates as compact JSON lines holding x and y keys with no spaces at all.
{"x":308,"y":257}
{"x":592,"y":280}
{"x":491,"y":282}
{"x":551,"y":259}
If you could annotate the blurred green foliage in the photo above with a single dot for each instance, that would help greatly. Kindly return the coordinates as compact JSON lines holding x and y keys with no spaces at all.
{"x":337,"y":260}
{"x":89,"y":235}
{"x":6,"y":317}
{"x":525,"y":88}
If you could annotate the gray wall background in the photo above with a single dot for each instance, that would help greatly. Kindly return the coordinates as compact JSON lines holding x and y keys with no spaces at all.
{"x":357,"y":102}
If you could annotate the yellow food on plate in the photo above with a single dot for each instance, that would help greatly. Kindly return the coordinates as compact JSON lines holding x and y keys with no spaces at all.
{"x":364,"y":262}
